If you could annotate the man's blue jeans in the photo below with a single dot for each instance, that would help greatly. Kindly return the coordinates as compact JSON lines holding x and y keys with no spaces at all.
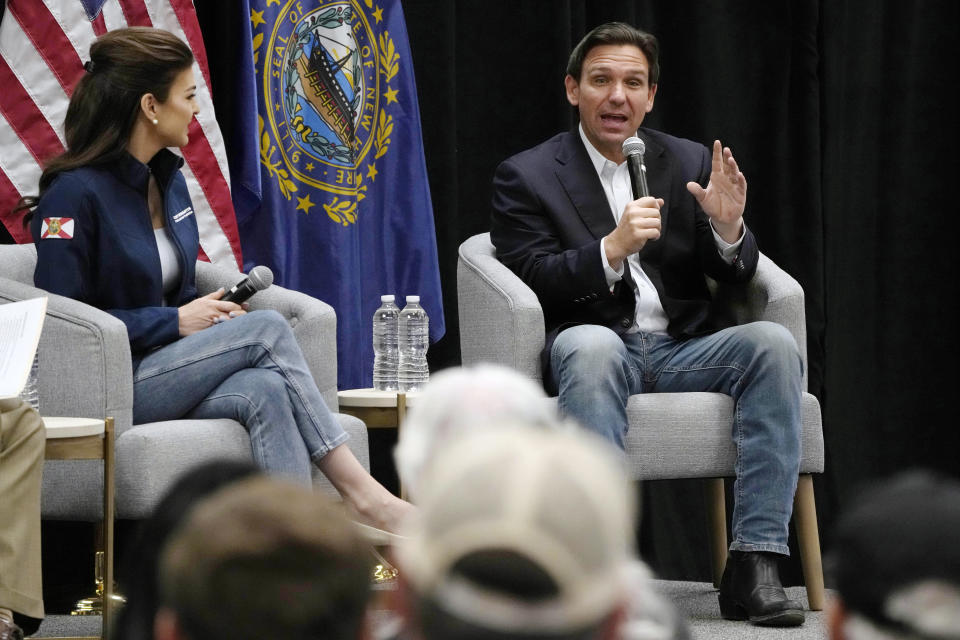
{"x":249,"y":369}
{"x":757,"y":364}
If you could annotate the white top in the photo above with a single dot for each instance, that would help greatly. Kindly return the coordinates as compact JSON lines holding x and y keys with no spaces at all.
{"x":169,"y":264}
{"x":61,"y":427}
{"x":372,"y":398}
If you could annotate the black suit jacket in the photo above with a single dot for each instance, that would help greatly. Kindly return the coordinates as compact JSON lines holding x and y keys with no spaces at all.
{"x":550,"y":213}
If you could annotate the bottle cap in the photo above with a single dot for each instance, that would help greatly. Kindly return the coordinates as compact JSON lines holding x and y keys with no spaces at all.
{"x":413,"y":298}
{"x":387,"y":298}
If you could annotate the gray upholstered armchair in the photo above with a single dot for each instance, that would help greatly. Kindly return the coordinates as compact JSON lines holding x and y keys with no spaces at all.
{"x":676,"y":435}
{"x":85,"y":372}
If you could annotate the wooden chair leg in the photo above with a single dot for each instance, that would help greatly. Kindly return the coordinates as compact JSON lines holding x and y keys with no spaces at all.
{"x":808,"y":538}
{"x":717,"y":525}
{"x":401,"y":416}
{"x":108,"y":517}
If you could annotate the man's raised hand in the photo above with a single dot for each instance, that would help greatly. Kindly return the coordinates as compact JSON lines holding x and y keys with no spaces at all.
{"x":725,"y":197}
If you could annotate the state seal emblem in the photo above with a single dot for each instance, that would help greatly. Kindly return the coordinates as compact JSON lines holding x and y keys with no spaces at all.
{"x":325,"y":82}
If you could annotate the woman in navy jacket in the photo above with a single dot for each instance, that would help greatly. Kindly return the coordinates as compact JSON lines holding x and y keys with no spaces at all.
{"x":114,"y":228}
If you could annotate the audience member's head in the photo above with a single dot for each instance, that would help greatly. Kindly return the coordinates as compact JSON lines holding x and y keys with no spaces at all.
{"x":264,"y":558}
{"x":461,"y":400}
{"x":522,"y":533}
{"x":896,"y":562}
{"x":139,"y":581}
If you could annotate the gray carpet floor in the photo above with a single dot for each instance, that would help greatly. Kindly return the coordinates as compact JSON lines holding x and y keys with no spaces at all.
{"x":697,"y":600}
{"x":69,"y":627}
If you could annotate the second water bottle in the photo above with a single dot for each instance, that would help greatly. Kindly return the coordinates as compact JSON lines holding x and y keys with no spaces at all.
{"x":413,"y":372}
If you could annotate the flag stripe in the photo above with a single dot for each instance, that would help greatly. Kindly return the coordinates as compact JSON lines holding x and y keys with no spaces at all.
{"x":214,"y":245}
{"x":17,"y":162}
{"x":14,"y":223}
{"x":187,"y":17}
{"x":49,"y":40}
{"x":112,"y":14}
{"x":199,"y":155}
{"x":24,"y":117}
{"x":135,"y":12}
{"x":74,"y":23}
{"x":99,"y":25}
{"x":33,"y":75}
{"x":20,"y":176}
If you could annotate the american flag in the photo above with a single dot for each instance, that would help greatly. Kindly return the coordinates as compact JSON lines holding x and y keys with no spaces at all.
{"x":43,"y":45}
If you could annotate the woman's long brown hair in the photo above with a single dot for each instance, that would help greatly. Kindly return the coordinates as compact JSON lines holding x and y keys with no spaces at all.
{"x":124,"y":65}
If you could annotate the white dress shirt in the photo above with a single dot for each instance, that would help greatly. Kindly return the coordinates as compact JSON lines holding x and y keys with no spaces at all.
{"x":649,"y":316}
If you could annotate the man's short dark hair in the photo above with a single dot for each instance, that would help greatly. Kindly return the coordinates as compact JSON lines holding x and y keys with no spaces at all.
{"x":616,"y":33}
{"x":263,"y":558}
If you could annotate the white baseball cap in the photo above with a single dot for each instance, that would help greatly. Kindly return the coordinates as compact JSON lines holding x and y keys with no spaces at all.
{"x":559,"y":500}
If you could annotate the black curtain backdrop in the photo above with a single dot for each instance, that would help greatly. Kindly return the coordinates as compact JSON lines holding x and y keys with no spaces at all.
{"x":890,"y":229}
{"x":838,"y":113}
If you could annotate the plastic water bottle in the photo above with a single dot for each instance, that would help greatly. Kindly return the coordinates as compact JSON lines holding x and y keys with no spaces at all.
{"x":414,"y":341}
{"x":385,"y":344}
{"x":31,"y":392}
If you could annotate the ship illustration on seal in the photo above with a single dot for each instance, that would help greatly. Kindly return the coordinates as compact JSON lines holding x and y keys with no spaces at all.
{"x":318,"y":78}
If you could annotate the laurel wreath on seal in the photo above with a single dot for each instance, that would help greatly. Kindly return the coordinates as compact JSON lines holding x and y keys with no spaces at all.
{"x":287,"y":186}
{"x":340,"y":211}
{"x":389,"y":66}
{"x":389,"y":58}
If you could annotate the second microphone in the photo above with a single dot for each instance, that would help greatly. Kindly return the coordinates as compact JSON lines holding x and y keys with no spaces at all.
{"x":258,"y":279}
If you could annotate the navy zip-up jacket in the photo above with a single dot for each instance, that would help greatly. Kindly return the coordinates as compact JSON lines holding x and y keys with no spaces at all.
{"x":95,"y":243}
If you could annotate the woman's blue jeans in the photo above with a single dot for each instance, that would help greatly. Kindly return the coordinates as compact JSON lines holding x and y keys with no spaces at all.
{"x":249,"y":369}
{"x":757,"y":364}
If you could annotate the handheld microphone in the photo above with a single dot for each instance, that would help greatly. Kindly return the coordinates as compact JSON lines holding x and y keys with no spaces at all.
{"x":259,"y":278}
{"x":633,"y":149}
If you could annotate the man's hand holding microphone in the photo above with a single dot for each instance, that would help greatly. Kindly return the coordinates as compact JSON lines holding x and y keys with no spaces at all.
{"x":640,"y":221}
{"x":724,"y":200}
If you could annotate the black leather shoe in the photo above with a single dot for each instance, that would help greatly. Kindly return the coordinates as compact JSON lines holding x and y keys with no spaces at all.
{"x":9,"y":631}
{"x":751,"y":590}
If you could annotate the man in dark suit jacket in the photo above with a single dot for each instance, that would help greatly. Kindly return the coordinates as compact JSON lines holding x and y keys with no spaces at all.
{"x":625,"y":299}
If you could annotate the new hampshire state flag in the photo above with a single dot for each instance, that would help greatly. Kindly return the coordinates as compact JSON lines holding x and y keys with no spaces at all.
{"x":331,"y":192}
